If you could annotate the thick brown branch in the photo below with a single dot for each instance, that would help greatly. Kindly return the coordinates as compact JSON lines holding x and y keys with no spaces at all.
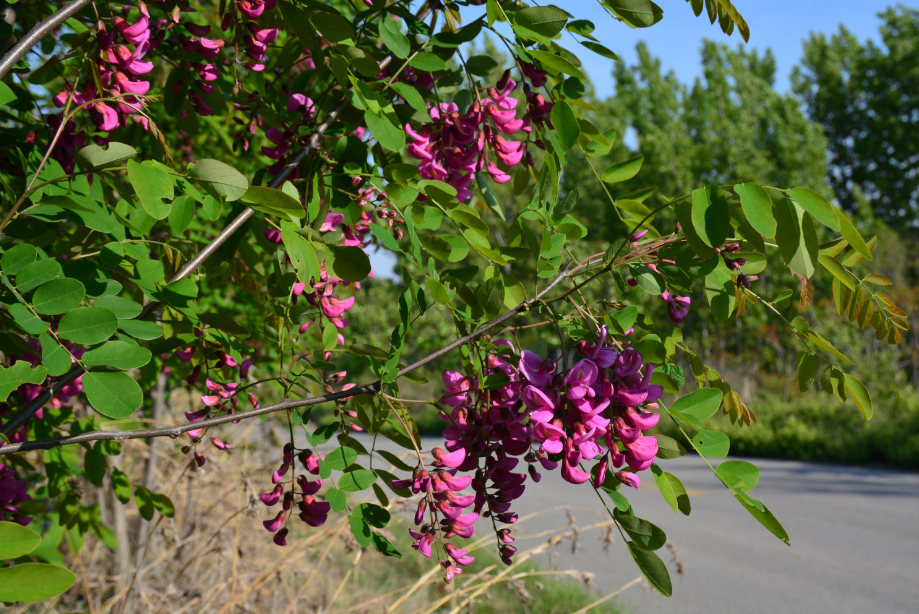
{"x":175,"y":431}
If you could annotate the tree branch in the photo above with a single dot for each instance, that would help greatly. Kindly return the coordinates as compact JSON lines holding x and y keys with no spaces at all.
{"x":40,"y":31}
{"x":175,"y":431}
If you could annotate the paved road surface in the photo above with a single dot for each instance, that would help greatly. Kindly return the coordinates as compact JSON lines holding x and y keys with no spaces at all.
{"x":854,"y":541}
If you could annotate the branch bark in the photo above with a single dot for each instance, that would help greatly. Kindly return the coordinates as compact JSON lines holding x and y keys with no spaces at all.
{"x":40,"y":31}
{"x":175,"y":431}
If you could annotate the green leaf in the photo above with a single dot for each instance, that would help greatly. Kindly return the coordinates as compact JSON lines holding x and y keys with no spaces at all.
{"x":555,"y":62}
{"x":384,"y":547}
{"x":362,"y":349}
{"x":88,"y":325}
{"x":747,"y":472}
{"x":468,"y":217}
{"x":163,"y":504}
{"x":58,"y":296}
{"x":347,"y":262}
{"x":33,"y":275}
{"x":623,"y":171}
{"x":710,"y":215}
{"x":331,"y":26}
{"x":373,"y":514}
{"x":490,"y":295}
{"x":15,"y":258}
{"x":393,"y":38}
{"x":339,"y":459}
{"x":395,"y":460}
{"x":490,"y":199}
{"x":7,"y":95}
{"x":112,"y":393}
{"x":757,"y":206}
{"x":411,"y":96}
{"x":700,"y":404}
{"x":438,"y":291}
{"x":117,"y":354}
{"x":181,"y":214}
{"x":825,"y":345}
{"x":361,"y":530}
{"x":858,"y":392}
{"x":648,"y":280}
{"x":152,"y":186}
{"x":428,"y":62}
{"x":816,"y":205}
{"x":20,"y":373}
{"x":386,"y":133}
{"x":639,"y":13}
{"x":273,"y":201}
{"x":808,"y":366}
{"x":672,"y":490}
{"x":796,"y":237}
{"x":355,"y":481}
{"x":564,"y":207}
{"x":337,"y":499}
{"x":600,"y":50}
{"x":34,"y":582}
{"x":94,"y":466}
{"x":360,"y":60}
{"x":219,"y":179}
{"x":17,"y":540}
{"x":481,"y":65}
{"x":765,"y":518}
{"x":121,"y":485}
{"x":302,"y":256}
{"x":123,"y":308}
{"x":851,"y":234}
{"x":711,"y":444}
{"x":545,"y":20}
{"x":566,"y":124}
{"x":97,"y":157}
{"x":144,"y":500}
{"x":322,"y":434}
{"x":139,"y":329}
{"x":29,"y":322}
{"x":653,"y":568}
{"x":668,"y":447}
{"x":53,"y":356}
{"x":644,"y":534}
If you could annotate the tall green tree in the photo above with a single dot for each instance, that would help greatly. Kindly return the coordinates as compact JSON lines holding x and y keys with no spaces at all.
{"x":730,"y":126}
{"x":866,"y":96}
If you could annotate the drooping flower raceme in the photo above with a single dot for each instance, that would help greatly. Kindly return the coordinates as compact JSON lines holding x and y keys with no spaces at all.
{"x":595,"y":411}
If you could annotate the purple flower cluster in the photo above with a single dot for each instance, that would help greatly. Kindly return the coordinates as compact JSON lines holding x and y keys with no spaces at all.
{"x":594,"y":411}
{"x":12,"y":493}
{"x":312,"y":511}
{"x":454,"y":147}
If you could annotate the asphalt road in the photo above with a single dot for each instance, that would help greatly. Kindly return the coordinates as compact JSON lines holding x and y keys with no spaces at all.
{"x":854,"y":540}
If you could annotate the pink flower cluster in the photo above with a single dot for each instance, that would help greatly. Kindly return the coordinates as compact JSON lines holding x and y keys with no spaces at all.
{"x":454,"y":147}
{"x":312,"y":511}
{"x":594,"y":411}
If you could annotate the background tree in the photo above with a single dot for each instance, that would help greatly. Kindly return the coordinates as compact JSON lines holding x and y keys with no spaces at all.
{"x":866,"y":97}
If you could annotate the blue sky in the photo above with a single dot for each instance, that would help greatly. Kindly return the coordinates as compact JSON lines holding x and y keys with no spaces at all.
{"x":781,"y":25}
